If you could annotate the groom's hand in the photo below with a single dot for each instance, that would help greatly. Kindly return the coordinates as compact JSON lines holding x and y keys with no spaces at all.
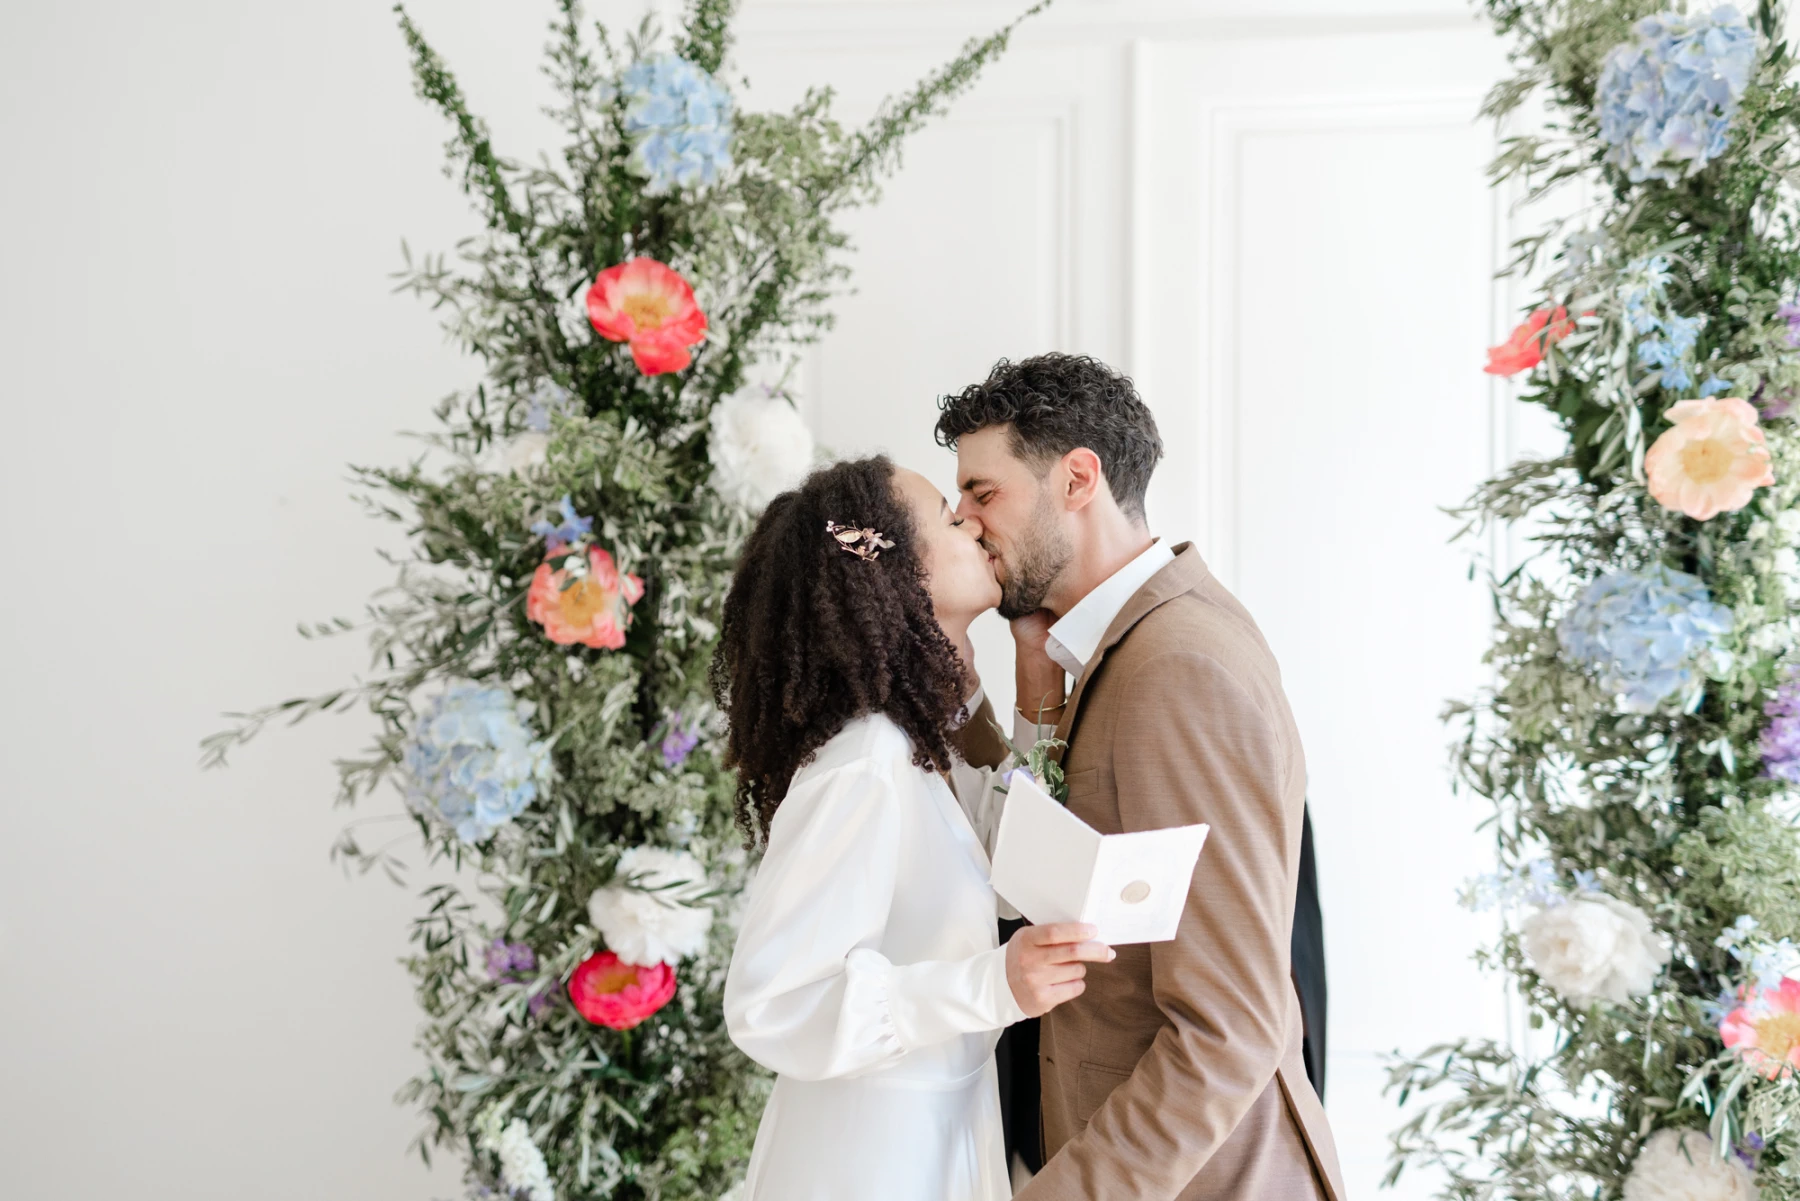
{"x":1046,"y":965}
{"x":1037,"y":678}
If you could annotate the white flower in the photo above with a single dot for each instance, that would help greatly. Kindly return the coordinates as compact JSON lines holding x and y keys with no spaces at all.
{"x":650,"y":915}
{"x":759,"y":446}
{"x":1680,"y":1165}
{"x":1787,"y":565}
{"x":1595,"y":946}
{"x":1788,"y":522}
{"x":1772,"y":639}
{"x":522,"y":1166}
{"x":524,"y":451}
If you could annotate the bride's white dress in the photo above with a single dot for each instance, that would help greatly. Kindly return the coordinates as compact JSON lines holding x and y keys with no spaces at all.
{"x":867,"y":975}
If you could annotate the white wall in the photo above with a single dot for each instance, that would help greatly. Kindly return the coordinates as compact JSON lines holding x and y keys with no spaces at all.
{"x":1270,"y":211}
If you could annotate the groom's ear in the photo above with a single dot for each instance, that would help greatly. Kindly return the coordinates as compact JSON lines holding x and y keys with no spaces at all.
{"x":1082,"y":480}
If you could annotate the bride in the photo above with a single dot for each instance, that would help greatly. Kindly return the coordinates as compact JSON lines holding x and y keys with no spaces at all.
{"x":867,"y":974}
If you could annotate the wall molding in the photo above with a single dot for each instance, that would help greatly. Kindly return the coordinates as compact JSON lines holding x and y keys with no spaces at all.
{"x":894,"y":23}
{"x":1224,"y":127}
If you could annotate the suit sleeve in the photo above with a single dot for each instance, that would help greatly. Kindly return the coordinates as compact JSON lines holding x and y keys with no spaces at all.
{"x":978,"y":740}
{"x":1191,"y":745}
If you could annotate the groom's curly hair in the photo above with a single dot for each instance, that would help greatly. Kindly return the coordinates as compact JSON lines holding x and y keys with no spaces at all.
{"x":814,"y":637}
{"x":1055,"y":403}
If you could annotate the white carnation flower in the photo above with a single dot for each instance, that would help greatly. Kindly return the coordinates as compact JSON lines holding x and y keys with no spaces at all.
{"x":524,"y":451}
{"x":522,"y":1166}
{"x":1787,"y":566}
{"x":760,"y":447}
{"x":1679,"y":1165}
{"x":1595,"y":946}
{"x":651,"y":915}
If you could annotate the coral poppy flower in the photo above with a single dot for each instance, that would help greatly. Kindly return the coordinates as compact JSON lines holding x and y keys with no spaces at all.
{"x":609,"y":992}
{"x":644,"y":303}
{"x":593,"y":610}
{"x":1711,"y":461}
{"x":1525,"y":348}
{"x":1765,"y":1031}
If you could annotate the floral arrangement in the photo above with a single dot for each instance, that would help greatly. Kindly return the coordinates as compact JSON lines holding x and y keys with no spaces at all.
{"x":1641,"y":742}
{"x":538,"y":674}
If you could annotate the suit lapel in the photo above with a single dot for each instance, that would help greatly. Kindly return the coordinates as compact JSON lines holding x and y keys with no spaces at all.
{"x":1182,"y":576}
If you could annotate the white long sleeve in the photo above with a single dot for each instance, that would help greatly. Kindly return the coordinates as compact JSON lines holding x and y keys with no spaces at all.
{"x":809,"y":994}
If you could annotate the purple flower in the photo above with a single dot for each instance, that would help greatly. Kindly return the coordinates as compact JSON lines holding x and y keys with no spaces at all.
{"x":1790,"y":313}
{"x":542,"y":1000}
{"x":678,"y":743}
{"x":1768,"y":406}
{"x":509,"y":960}
{"x":1780,"y":745}
{"x":572,"y":530}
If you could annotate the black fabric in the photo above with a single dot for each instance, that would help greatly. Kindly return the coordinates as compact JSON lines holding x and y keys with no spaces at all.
{"x":1308,"y":951}
{"x":1016,"y":1057}
{"x":1016,"y":1060}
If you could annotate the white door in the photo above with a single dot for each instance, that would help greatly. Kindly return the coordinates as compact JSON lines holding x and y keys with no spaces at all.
{"x":1289,"y":241}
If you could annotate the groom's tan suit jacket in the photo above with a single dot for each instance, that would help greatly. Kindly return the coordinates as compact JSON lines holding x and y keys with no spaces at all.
{"x":1177,"y":1073}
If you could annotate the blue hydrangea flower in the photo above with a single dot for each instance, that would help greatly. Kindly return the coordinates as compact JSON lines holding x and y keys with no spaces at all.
{"x":473,"y":761}
{"x":681,"y":118}
{"x":547,"y":398}
{"x":1675,"y":377}
{"x":1654,"y":352}
{"x":573,"y":528}
{"x":1715,"y":385}
{"x":1682,"y":333}
{"x":1642,"y":632}
{"x":1668,"y":95}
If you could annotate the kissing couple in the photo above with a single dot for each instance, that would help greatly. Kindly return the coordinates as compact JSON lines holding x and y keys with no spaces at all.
{"x":868,"y":973}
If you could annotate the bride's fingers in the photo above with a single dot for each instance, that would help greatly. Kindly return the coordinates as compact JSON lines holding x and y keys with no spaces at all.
{"x":1058,"y":973}
{"x":1059,"y":932}
{"x":1077,"y":952}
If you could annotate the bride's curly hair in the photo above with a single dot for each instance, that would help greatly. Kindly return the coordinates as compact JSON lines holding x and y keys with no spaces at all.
{"x":815,"y":636}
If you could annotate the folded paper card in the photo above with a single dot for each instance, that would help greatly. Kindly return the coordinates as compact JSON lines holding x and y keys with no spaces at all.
{"x":1054,"y":867}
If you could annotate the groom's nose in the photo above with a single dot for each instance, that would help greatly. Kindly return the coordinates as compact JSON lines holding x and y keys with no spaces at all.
{"x":965,"y":509}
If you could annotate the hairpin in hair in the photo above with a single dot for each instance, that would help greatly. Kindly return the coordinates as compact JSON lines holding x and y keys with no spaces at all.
{"x":864,"y":544}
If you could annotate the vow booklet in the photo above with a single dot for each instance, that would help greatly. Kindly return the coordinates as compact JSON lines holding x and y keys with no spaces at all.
{"x":1054,"y":867}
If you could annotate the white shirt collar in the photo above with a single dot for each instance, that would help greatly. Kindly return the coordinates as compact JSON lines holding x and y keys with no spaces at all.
{"x":1076,"y":635}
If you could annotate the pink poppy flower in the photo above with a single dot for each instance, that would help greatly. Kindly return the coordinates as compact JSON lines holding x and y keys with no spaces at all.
{"x":644,"y":303}
{"x":1765,"y":1030}
{"x":1711,"y":461}
{"x":609,"y":992}
{"x":593,"y":610}
{"x":1524,"y":349}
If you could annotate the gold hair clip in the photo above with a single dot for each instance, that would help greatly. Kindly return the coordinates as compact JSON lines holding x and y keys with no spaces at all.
{"x":864,"y":544}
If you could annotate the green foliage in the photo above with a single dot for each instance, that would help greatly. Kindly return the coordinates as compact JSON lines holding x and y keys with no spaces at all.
{"x":1669,"y":811}
{"x":668,"y":1110}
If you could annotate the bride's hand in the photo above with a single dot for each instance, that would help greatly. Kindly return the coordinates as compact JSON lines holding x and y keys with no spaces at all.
{"x":1045,"y":965}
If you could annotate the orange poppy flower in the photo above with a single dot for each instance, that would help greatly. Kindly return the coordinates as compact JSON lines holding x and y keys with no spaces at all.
{"x":644,"y":303}
{"x":593,"y":610}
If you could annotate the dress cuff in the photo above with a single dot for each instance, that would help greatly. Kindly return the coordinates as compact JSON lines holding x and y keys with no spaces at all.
{"x":1027,"y":733}
{"x":938,"y":1000}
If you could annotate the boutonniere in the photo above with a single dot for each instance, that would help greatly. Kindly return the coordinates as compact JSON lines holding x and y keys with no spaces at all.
{"x":1041,"y":764}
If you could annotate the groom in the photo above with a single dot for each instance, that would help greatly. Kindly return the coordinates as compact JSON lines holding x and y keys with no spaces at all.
{"x":1177,"y":1074}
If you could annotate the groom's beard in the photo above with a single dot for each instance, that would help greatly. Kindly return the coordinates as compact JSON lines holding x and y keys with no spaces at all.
{"x":1039,"y":557}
